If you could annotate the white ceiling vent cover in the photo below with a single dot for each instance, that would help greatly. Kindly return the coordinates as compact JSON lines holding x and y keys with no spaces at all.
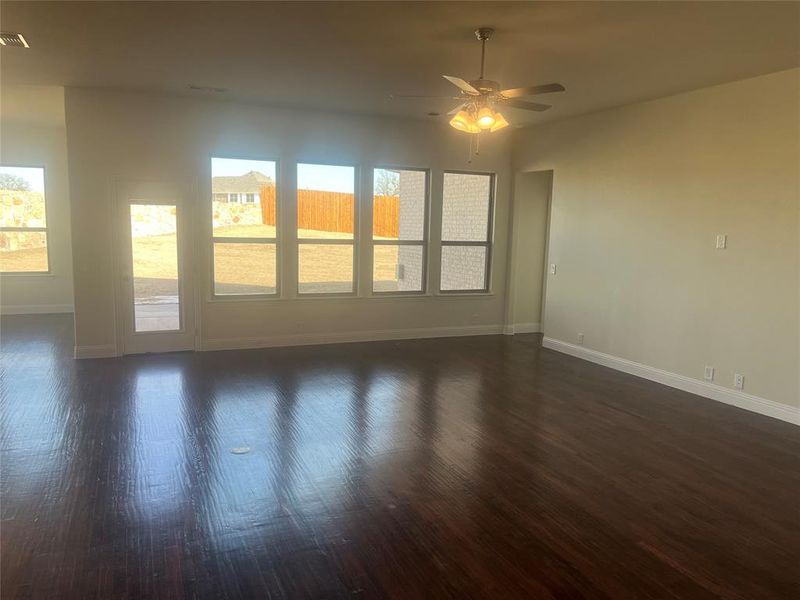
{"x":13,"y":39}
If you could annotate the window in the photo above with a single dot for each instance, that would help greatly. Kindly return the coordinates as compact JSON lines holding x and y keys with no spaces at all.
{"x":251,"y":198}
{"x":23,"y":223}
{"x":399,"y":230}
{"x":466,"y":232}
{"x":325,"y":229}
{"x":245,"y":237}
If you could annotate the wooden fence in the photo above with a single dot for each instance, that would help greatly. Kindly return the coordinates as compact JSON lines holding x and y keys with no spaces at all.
{"x":268,"y":204}
{"x":386,"y":216}
{"x":334,"y":211}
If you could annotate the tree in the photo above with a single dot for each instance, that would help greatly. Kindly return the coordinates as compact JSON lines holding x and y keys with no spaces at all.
{"x":14,"y":182}
{"x":387,"y":183}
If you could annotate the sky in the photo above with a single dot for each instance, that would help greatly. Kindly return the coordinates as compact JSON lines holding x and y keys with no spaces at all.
{"x":33,"y":175}
{"x":309,"y":177}
{"x":326,"y":178}
{"x":221,"y":167}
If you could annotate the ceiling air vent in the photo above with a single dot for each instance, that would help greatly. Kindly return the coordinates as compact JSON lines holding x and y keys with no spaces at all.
{"x":207,"y":88}
{"x":13,"y":39}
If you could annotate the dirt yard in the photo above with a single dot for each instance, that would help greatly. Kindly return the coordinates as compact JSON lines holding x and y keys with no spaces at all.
{"x":236,"y":264}
{"x":28,"y":260}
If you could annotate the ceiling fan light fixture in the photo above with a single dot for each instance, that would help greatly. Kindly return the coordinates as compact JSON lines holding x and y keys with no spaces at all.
{"x":486,"y":118}
{"x":463,"y":121}
{"x":499,"y":122}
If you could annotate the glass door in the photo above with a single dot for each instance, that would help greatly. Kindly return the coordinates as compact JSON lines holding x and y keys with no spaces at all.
{"x":158,"y":315}
{"x":154,"y":254}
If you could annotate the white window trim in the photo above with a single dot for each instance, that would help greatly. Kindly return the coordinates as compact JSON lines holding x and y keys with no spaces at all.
{"x":276,"y":241}
{"x":488,"y":243}
{"x":360,"y":247}
{"x":354,"y":241}
{"x":423,"y":243}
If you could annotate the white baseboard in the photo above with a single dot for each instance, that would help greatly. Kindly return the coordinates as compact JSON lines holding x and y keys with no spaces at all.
{"x":35,"y":309}
{"x":522,"y":328}
{"x":101,"y":351}
{"x":749,"y":402}
{"x":306,"y":339}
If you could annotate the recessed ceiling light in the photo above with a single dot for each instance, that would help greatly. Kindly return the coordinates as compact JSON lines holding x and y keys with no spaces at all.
{"x":13,"y":39}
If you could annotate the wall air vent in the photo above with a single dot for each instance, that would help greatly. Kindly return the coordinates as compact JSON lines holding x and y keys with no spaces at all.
{"x":13,"y":39}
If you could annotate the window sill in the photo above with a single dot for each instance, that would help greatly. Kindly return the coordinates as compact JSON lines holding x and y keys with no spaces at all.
{"x":352,"y":298}
{"x":26,"y":274}
{"x":465,"y":293}
{"x":224,"y":299}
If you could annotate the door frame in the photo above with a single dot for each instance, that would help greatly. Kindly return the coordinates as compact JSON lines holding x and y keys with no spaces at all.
{"x":125,"y":191}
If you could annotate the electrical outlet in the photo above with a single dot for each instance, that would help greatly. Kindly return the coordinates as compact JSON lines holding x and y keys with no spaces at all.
{"x":553,"y":269}
{"x":708,"y":374}
{"x":580,"y":339}
{"x":722,"y":241}
{"x":738,"y":381}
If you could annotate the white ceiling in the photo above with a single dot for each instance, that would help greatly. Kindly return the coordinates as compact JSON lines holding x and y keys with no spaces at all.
{"x":350,"y":56}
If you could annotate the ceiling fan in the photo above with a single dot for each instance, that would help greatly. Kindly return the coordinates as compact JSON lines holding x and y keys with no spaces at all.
{"x":480,"y":97}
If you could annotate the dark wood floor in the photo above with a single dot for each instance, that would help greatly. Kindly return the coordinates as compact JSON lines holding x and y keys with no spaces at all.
{"x":482,"y":467}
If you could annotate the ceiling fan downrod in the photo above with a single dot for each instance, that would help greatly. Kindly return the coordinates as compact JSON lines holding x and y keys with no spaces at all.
{"x":483,"y":34}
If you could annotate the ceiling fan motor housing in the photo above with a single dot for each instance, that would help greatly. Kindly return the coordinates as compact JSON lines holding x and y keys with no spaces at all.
{"x":485,"y":86}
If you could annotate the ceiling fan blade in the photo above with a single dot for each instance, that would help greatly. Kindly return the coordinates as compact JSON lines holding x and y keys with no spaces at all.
{"x":456,"y":109}
{"x":527,"y":105}
{"x":462,"y":85}
{"x":546,"y":88}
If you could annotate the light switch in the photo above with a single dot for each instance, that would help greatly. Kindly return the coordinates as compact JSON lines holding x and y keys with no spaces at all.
{"x":553,"y":269}
{"x":722,"y":241}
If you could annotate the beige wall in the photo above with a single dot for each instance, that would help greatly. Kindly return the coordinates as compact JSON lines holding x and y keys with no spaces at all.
{"x":139,"y":136}
{"x":529,"y":233}
{"x":32,"y":133}
{"x":639,"y":194}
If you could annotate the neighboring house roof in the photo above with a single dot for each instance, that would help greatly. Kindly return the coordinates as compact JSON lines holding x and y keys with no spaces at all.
{"x":249,"y":183}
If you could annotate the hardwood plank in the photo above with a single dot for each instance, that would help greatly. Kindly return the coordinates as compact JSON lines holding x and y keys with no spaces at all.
{"x":482,"y":467}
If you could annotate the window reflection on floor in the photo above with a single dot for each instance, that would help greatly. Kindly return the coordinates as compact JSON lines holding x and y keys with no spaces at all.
{"x":158,"y":439}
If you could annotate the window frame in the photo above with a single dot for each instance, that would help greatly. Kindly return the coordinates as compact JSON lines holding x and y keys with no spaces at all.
{"x":488,"y":243}
{"x":45,"y":229}
{"x":354,"y":242}
{"x":276,"y":241}
{"x":425,"y":242}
